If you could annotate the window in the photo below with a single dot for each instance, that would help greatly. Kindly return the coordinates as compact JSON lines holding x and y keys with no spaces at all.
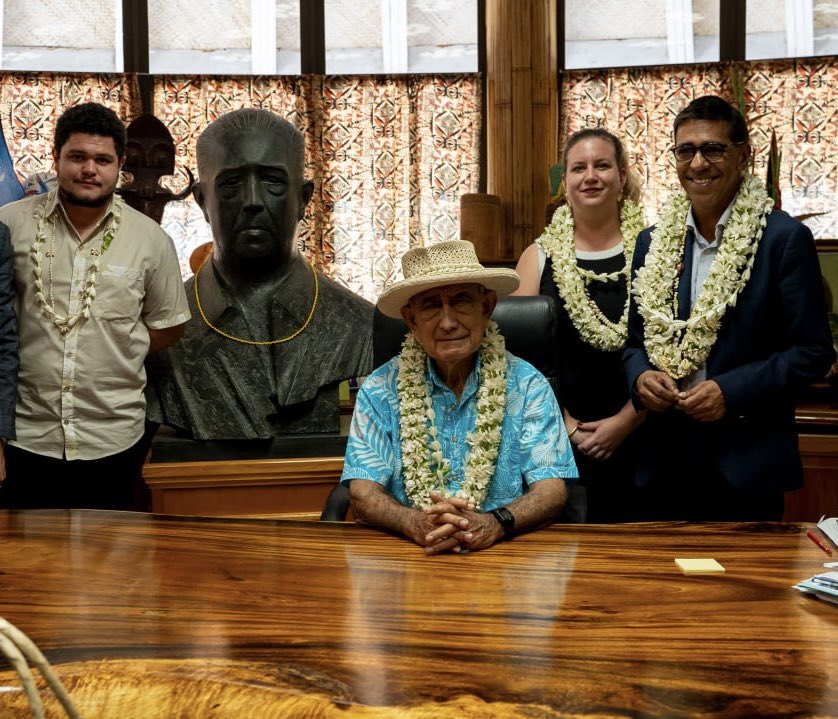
{"x":287,"y":42}
{"x":224,"y":37}
{"x":613,"y":33}
{"x":79,"y":36}
{"x":400,"y":36}
{"x":262,"y":37}
{"x":790,"y":28}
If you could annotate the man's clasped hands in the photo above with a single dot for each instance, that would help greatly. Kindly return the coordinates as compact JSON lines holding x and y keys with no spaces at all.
{"x":450,"y":524}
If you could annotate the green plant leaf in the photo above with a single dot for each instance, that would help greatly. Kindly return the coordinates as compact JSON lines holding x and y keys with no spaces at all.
{"x":556,"y":174}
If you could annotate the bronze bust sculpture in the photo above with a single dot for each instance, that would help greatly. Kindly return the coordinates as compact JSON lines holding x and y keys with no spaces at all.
{"x":270,"y":338}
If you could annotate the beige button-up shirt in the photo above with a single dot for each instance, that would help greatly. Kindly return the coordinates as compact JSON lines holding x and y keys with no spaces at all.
{"x":80,"y":394}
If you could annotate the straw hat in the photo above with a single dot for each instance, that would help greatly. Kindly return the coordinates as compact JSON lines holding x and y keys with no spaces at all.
{"x":446,"y":263}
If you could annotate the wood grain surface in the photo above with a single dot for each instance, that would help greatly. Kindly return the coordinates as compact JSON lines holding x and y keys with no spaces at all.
{"x":269,"y":618}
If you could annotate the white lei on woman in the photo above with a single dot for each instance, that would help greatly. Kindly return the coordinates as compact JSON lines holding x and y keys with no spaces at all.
{"x":425,"y":468}
{"x":679,"y":347}
{"x":558,"y":242}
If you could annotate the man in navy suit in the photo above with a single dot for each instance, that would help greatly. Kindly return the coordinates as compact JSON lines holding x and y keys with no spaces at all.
{"x":727,"y":321}
{"x":8,"y":346}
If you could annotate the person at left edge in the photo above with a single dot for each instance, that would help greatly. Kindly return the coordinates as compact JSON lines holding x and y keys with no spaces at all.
{"x":455,"y":443}
{"x":99,"y":288}
{"x":8,"y":346}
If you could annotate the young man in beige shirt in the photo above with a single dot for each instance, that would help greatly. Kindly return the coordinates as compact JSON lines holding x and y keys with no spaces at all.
{"x":99,"y":288}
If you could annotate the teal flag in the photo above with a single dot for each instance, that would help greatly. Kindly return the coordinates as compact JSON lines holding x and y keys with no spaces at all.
{"x":10,"y":187}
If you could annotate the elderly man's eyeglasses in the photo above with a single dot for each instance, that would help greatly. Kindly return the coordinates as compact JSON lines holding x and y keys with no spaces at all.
{"x":710,"y":151}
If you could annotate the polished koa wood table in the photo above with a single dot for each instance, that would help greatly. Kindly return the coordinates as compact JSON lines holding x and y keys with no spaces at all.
{"x":158,"y":616}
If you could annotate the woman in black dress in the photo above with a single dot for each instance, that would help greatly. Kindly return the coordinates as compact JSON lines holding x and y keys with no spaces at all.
{"x":583,"y":261}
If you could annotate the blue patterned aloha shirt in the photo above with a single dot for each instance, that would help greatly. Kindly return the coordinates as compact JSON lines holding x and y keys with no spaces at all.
{"x":534,"y":443}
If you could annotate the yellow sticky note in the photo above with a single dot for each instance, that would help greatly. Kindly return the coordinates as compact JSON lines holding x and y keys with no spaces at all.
{"x":343,"y":387}
{"x":699,"y":566}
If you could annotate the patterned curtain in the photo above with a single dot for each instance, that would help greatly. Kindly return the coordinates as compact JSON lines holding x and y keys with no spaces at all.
{"x":389,"y":156}
{"x":798,"y":99}
{"x":30,"y":104}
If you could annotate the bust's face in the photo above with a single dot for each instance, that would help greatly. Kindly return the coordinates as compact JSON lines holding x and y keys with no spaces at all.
{"x":253,"y":198}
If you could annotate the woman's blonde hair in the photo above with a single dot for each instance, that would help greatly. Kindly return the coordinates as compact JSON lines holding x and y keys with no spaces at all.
{"x":631,"y":190}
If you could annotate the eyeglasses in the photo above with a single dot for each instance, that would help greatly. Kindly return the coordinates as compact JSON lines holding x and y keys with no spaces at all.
{"x":710,"y":151}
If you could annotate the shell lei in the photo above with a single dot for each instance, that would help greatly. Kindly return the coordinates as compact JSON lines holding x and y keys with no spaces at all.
{"x":88,"y":292}
{"x":679,"y":347}
{"x":425,"y":468}
{"x":572,"y":281}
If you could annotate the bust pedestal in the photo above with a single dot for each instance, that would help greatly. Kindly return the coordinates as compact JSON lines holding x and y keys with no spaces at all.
{"x":289,"y":475}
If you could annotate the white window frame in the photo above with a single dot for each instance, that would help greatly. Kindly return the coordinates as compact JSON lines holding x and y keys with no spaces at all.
{"x":263,"y":37}
{"x":800,"y":28}
{"x":394,"y":35}
{"x":118,"y":51}
{"x":679,"y":31}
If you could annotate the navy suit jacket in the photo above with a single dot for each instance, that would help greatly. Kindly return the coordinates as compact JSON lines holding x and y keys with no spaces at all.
{"x":775,"y":340}
{"x":8,"y":337}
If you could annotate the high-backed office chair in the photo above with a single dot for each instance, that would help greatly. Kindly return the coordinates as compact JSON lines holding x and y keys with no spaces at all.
{"x":336,"y":506}
{"x":528,"y":325}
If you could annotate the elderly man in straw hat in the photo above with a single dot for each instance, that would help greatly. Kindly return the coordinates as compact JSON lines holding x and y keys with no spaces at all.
{"x":455,"y":443}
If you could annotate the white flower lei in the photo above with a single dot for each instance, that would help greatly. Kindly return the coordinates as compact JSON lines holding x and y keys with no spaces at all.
{"x":88,"y":292}
{"x":679,"y":347}
{"x":572,"y":281}
{"x":425,"y":468}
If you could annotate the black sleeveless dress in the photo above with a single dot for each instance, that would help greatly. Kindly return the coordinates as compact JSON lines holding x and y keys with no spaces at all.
{"x":592,"y":386}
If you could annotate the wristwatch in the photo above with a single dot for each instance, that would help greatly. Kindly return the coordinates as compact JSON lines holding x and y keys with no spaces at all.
{"x":507,"y":521}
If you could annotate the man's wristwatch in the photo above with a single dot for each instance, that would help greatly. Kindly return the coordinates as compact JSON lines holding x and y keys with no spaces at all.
{"x":507,"y":521}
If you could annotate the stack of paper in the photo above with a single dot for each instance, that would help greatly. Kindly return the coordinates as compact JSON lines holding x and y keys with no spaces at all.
{"x":822,"y":586}
{"x":829,"y":526}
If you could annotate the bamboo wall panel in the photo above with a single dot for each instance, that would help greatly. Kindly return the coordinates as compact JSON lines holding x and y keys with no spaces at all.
{"x":521,"y":123}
